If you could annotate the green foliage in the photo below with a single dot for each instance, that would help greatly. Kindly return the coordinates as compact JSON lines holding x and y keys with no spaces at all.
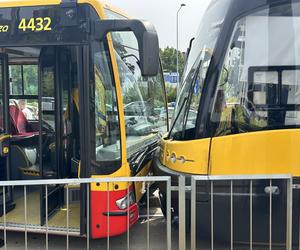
{"x":168,"y":59}
{"x":30,"y":79}
{"x":169,"y":64}
{"x":48,"y":82}
{"x":148,"y":90}
{"x":171,"y":93}
{"x":16,"y":76}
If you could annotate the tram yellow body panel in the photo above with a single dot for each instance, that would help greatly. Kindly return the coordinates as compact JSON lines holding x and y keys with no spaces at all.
{"x":186,"y":156}
{"x":268,"y":152}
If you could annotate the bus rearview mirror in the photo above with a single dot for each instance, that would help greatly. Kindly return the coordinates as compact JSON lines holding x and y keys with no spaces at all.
{"x":146,"y":36}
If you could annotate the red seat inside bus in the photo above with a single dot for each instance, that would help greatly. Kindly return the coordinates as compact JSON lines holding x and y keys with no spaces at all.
{"x":19,"y":123}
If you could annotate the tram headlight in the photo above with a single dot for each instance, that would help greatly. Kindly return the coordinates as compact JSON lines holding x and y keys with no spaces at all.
{"x":123,"y":203}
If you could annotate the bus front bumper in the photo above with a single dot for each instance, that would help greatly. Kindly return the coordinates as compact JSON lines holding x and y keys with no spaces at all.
{"x":161,"y":170}
{"x":107,"y":219}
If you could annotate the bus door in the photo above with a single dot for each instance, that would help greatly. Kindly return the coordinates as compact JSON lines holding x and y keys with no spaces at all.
{"x":54,"y":136}
{"x":66,"y":96}
{"x":83,"y":80}
{"x":4,"y":133}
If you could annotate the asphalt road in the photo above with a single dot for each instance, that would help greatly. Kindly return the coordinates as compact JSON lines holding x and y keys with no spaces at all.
{"x":137,"y":236}
{"x":138,"y":240}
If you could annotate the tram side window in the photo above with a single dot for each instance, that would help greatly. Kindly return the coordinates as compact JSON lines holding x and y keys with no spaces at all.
{"x":259,"y":86}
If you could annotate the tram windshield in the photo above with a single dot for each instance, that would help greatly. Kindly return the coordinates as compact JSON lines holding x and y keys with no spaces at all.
{"x":196,"y":68}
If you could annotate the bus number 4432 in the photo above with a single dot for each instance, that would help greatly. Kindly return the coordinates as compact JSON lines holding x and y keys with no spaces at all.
{"x":36,"y":24}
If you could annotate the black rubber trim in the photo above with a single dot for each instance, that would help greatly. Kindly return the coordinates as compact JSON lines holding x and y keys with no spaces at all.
{"x":68,"y":3}
{"x":115,"y":213}
{"x":161,"y":170}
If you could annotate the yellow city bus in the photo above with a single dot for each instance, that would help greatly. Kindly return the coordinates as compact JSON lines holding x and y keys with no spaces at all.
{"x":81,"y":93}
{"x":238,"y":113}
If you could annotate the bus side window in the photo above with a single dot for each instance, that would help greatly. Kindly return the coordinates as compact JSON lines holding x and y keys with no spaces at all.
{"x":104,"y":118}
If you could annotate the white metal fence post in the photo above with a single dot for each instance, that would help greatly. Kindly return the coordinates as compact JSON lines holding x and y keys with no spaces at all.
{"x":193,"y":213}
{"x":181,"y":203}
{"x":289,"y":215}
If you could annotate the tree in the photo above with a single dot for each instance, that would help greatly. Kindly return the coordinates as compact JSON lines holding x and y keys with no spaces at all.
{"x":171,"y":93}
{"x":169,"y":64}
{"x":169,"y":58}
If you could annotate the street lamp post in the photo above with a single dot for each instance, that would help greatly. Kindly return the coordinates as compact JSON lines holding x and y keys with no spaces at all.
{"x":177,"y":45}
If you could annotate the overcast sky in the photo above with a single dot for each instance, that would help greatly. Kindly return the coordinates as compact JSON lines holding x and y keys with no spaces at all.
{"x":162,"y":13}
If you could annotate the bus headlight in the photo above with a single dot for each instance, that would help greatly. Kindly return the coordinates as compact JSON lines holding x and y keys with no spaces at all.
{"x":127,"y":200}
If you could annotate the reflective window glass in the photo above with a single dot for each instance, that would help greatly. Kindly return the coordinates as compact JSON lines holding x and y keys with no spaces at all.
{"x":143,"y":97}
{"x":198,"y":62}
{"x":261,"y":87}
{"x":105,"y":116}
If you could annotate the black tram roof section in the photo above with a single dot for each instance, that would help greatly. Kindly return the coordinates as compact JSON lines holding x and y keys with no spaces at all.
{"x":68,"y":3}
{"x":242,"y":7}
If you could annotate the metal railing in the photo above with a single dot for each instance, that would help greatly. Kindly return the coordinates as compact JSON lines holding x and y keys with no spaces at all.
{"x":26,"y":227}
{"x":230,"y":181}
{"x":187,"y":192}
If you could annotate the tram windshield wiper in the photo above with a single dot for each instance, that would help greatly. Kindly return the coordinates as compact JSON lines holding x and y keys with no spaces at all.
{"x":186,"y":103}
{"x":177,"y":116}
{"x":189,"y":100}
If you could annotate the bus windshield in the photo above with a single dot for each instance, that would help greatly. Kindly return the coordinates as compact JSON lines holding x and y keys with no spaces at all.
{"x":197,"y":65}
{"x":143,"y":98}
